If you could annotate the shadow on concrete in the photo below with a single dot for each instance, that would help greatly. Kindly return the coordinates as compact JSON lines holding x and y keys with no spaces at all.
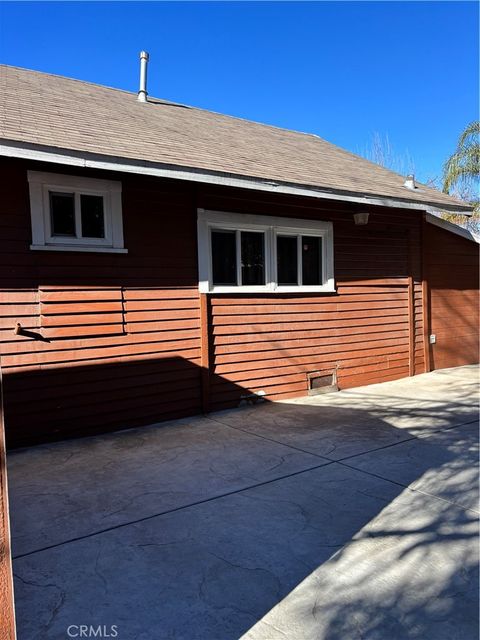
{"x":219,"y":529}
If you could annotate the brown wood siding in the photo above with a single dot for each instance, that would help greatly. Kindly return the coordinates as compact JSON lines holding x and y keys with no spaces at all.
{"x":115,"y":341}
{"x":108,"y":340}
{"x":269,"y":343}
{"x":452,"y":273}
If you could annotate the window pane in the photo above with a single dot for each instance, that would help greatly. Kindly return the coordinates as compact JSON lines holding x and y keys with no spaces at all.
{"x":93,"y":224}
{"x":62,"y":214}
{"x":312,"y":260}
{"x":287,"y":267}
{"x":224,"y":257}
{"x":253,"y":257}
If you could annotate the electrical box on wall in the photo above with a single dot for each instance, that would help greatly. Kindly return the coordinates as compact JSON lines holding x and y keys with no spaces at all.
{"x":433,"y":338}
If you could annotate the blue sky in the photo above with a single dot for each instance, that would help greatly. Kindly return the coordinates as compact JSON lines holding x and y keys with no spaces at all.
{"x":342,"y":70}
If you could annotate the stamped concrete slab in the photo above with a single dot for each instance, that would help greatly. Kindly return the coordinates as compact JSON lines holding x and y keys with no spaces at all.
{"x":210,"y":571}
{"x":355,"y":421}
{"x":444,"y":465}
{"x":411,"y":573}
{"x":200,"y":531}
{"x":214,"y":570}
{"x":94,"y":483}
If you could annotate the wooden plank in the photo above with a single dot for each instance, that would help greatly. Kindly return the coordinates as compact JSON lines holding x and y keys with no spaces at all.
{"x":282,"y":342}
{"x":8,"y":322}
{"x":7,"y":614}
{"x":411,"y":328}
{"x":185,"y":347}
{"x":192,"y":356}
{"x":426,"y":324}
{"x":162,"y":304}
{"x":293,"y":352}
{"x":306,"y":325}
{"x":369,"y":331}
{"x":278,"y":299}
{"x":18,"y":310}
{"x":350,"y":382}
{"x":157,"y":293}
{"x":84,"y":319}
{"x":162,"y":325}
{"x":273,"y":319}
{"x":80,"y":308}
{"x":376,"y":282}
{"x":83,"y":295}
{"x":305,"y":361}
{"x":154,"y":316}
{"x":205,"y":351}
{"x":25,"y":344}
{"x":23,"y":296}
{"x":326,"y":306}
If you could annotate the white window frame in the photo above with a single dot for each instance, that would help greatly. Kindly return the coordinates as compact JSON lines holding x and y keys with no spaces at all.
{"x":42,"y":183}
{"x":271,"y":226}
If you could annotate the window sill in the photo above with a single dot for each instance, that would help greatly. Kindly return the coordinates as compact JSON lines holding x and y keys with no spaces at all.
{"x":72,"y":247}
{"x":277,"y":290}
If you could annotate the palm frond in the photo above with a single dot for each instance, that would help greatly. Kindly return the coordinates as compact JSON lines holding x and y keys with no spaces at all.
{"x":463,"y":166}
{"x":473,"y":129}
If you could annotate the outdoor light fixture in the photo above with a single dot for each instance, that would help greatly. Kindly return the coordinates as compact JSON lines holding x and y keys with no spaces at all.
{"x":361,"y":218}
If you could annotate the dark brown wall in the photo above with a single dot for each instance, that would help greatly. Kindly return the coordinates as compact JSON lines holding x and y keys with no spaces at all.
{"x":116,"y":340}
{"x":451,"y":264}
{"x":271,"y":342}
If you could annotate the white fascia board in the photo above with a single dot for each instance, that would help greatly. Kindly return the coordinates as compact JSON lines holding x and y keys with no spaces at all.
{"x":125,"y":165}
{"x":453,"y":228}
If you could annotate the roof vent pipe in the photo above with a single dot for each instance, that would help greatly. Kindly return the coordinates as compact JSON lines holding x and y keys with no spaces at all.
{"x":142,"y":92}
{"x":410,"y":182}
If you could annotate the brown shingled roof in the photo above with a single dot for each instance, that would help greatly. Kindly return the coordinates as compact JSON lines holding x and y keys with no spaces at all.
{"x":53,"y":111}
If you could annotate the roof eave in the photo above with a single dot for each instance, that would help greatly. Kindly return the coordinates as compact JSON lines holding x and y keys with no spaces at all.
{"x":43,"y":153}
{"x":452,"y":228}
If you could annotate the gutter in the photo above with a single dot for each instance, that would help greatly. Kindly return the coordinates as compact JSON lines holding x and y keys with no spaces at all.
{"x":43,"y":153}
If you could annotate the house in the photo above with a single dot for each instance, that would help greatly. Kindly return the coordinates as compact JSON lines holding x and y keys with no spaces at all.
{"x":160,"y":260}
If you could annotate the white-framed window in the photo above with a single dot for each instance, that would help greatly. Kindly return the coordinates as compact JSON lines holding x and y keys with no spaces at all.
{"x":249,"y":253}
{"x":72,"y":213}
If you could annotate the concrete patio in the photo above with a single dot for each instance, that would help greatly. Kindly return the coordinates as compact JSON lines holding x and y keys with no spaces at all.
{"x":339,"y":517}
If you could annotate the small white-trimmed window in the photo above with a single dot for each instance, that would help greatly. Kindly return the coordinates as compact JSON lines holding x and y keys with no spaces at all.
{"x":249,"y":253}
{"x":71,"y":213}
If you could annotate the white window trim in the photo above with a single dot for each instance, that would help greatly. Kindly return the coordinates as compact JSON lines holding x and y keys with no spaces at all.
{"x":271,"y":226}
{"x":41,"y":183}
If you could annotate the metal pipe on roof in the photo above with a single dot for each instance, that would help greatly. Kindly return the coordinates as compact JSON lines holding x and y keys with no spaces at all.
{"x":142,"y":92}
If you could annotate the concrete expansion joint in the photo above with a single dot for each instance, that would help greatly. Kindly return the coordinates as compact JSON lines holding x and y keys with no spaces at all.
{"x":326,"y":462}
{"x":256,"y":435}
{"x":169,"y":511}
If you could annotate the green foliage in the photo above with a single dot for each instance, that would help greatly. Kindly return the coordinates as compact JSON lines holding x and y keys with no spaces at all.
{"x":461,"y":174}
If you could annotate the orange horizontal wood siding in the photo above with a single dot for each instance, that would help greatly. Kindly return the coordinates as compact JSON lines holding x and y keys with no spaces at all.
{"x":452,"y":270}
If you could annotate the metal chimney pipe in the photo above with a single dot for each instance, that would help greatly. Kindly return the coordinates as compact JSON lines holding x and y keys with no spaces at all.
{"x":410,"y":182}
{"x":142,"y":92}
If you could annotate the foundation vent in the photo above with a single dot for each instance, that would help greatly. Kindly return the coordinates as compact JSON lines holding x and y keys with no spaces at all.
{"x":321,"y":382}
